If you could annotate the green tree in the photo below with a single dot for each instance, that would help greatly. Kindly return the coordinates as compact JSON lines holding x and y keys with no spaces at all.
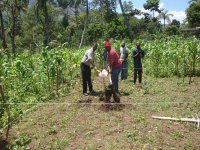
{"x":152,"y":5}
{"x":2,"y":25}
{"x":194,"y":1}
{"x":42,"y":7}
{"x":172,"y":30}
{"x":86,"y":22}
{"x":65,"y":21}
{"x":126,"y":21}
{"x":14,"y":8}
{"x":193,"y":14}
{"x":107,"y":9}
{"x":165,"y":16}
{"x":175,"y":23}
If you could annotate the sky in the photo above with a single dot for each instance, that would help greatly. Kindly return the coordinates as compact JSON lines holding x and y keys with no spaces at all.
{"x":175,"y":7}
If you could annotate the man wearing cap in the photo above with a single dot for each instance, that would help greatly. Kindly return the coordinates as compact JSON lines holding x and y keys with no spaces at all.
{"x":137,"y":55}
{"x":87,"y":61}
{"x":123,"y":58}
{"x":114,"y":64}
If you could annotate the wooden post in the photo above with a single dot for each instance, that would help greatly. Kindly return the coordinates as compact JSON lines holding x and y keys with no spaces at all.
{"x":191,"y":74}
{"x":195,"y":120}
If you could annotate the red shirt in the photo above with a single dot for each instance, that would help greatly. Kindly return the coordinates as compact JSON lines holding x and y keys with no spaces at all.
{"x":113,"y":59}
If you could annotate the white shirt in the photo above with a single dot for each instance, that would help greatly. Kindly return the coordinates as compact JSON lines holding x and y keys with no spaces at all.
{"x":88,"y":56}
{"x":123,"y":52}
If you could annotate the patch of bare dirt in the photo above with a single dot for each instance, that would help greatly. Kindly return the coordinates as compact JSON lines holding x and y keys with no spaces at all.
{"x":111,"y":106}
{"x":85,"y":101}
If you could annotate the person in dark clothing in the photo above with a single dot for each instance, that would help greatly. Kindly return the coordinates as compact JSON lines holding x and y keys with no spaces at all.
{"x":87,"y":61}
{"x":138,"y":55}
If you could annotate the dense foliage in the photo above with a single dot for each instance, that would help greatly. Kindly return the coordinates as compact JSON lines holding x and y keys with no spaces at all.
{"x":193,"y":13}
{"x":27,"y":24}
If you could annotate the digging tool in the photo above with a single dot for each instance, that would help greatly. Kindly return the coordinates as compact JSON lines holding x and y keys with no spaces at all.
{"x":110,"y":79}
{"x":98,"y":71}
{"x":194,"y":119}
{"x":112,"y":89}
{"x":109,"y":90}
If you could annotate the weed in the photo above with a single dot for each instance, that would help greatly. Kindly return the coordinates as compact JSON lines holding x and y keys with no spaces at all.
{"x":61,"y":143}
{"x":176,"y":135}
{"x":133,"y":136}
{"x":52,"y":130}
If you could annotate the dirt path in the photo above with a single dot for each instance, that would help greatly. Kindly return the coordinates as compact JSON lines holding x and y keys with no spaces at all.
{"x":79,"y":122}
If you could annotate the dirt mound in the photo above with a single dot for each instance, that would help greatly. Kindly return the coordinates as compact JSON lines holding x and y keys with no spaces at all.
{"x":112,"y":107}
{"x":84,"y":102}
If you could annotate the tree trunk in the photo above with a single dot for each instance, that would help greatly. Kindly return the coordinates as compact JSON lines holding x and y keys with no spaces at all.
{"x":190,"y":80}
{"x":126,"y":21}
{"x":76,"y":11}
{"x":6,"y":106}
{"x":13,"y":32}
{"x":102,"y":16}
{"x":46,"y":23}
{"x":85,"y":25}
{"x":164,"y":21}
{"x":3,"y":31}
{"x":153,"y":13}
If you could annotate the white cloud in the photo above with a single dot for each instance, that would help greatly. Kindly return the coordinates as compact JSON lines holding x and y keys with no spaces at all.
{"x":161,"y":6}
{"x":178,"y":15}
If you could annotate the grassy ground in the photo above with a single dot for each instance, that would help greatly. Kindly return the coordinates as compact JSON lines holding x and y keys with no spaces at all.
{"x":89,"y":127}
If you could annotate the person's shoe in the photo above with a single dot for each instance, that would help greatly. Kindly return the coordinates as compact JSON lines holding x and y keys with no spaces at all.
{"x":92,"y":92}
{"x":85,"y":94}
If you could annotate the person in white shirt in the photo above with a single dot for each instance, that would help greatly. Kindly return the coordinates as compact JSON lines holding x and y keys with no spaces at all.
{"x":124,"y":59}
{"x":86,"y":64}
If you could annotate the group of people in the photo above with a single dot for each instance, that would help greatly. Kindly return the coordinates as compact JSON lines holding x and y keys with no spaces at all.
{"x":113,"y":63}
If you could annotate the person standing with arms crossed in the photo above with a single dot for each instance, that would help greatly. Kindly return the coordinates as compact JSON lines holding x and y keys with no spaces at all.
{"x":114,"y":65}
{"x":138,"y":55}
{"x":87,"y":61}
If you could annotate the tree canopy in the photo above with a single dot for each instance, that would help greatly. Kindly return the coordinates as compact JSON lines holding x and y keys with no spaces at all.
{"x":193,"y":13}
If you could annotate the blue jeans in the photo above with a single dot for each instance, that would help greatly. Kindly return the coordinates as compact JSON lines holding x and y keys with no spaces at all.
{"x":115,"y":77}
{"x":124,"y":73}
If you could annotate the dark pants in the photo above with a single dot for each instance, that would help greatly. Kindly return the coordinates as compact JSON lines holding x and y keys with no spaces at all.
{"x":139,"y":73}
{"x":124,"y":73}
{"x":86,"y":77}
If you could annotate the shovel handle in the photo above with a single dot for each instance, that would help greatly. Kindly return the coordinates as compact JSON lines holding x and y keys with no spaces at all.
{"x":110,"y":79}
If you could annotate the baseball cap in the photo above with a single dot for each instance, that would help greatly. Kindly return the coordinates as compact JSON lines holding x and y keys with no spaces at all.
{"x":107,"y":44}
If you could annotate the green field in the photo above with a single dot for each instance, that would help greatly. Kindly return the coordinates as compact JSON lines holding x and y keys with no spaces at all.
{"x":43,"y":92}
{"x":65,"y":123}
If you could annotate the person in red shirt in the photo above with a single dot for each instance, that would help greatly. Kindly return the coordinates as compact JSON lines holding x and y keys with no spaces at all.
{"x":114,"y":65}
